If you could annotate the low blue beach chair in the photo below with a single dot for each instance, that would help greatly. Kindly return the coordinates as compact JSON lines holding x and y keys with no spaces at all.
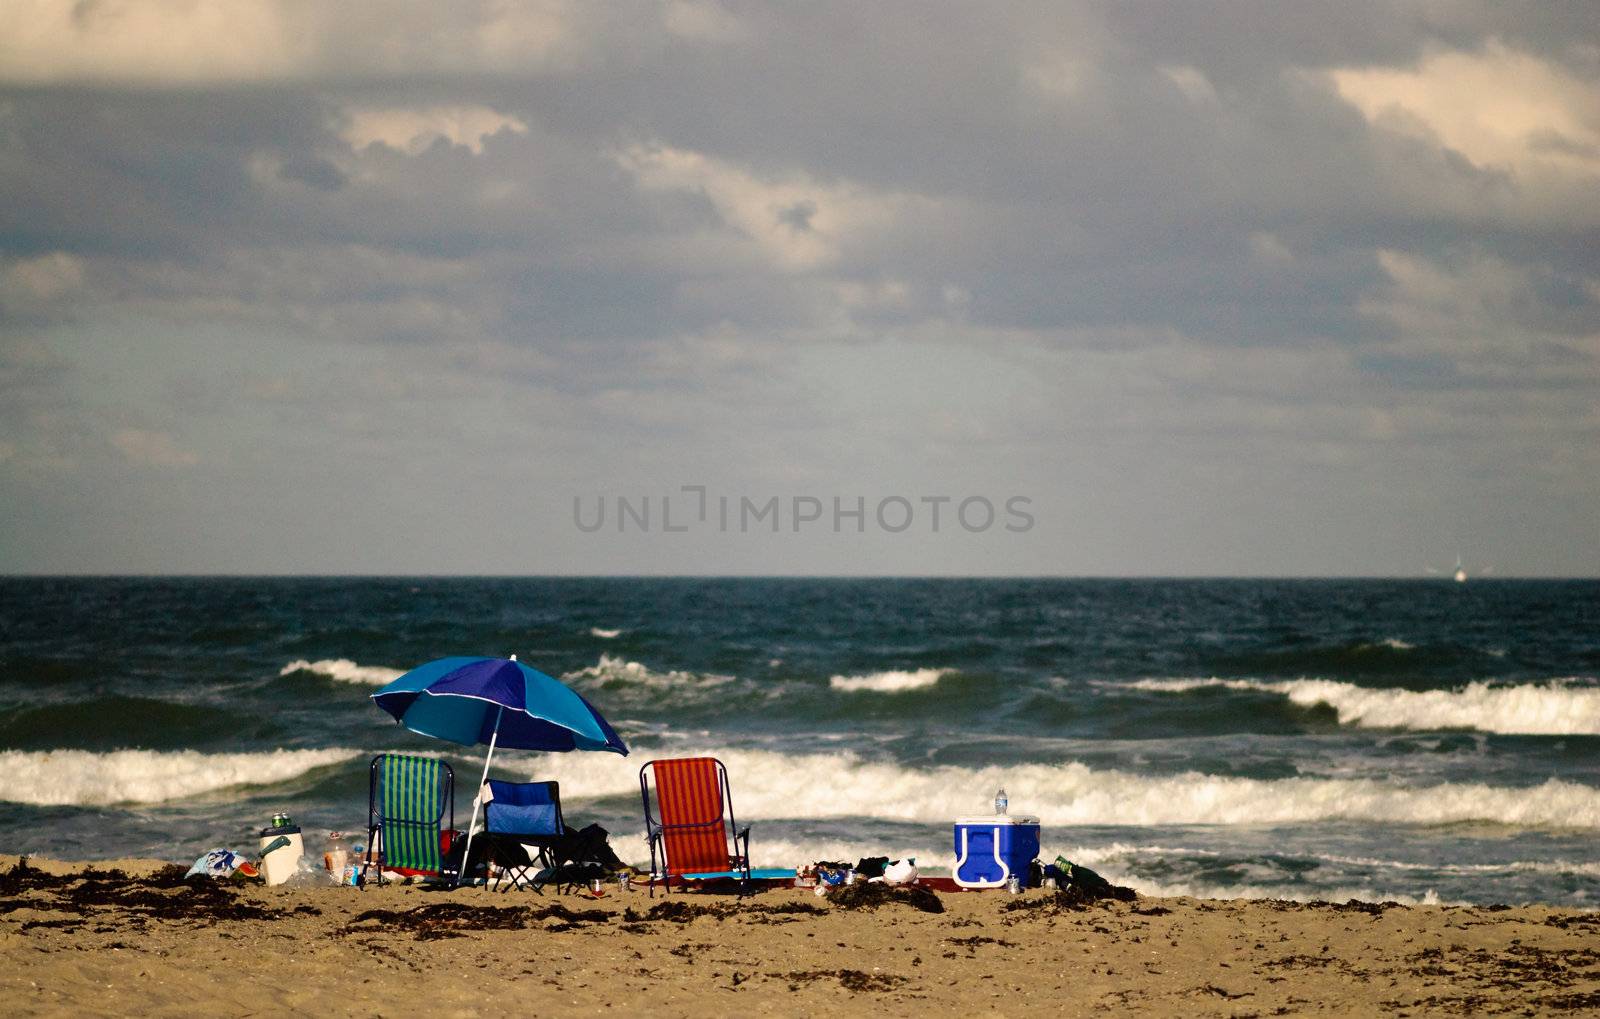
{"x":520,"y":815}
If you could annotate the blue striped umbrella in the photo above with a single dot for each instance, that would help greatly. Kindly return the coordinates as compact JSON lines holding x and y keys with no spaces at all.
{"x":498,"y":701}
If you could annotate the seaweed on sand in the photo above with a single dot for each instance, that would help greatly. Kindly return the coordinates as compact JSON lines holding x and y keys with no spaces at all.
{"x":679,"y":911}
{"x":1072,"y":899}
{"x":850,"y":979}
{"x":455,"y":920}
{"x":865,"y":895}
{"x":113,"y":894}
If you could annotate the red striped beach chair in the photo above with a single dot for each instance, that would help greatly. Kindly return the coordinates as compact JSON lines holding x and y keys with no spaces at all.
{"x":692,"y":830}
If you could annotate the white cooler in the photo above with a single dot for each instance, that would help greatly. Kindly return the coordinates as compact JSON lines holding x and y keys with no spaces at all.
{"x":280,"y":864}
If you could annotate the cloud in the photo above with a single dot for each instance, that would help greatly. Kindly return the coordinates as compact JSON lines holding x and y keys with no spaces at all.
{"x":1503,"y":110}
{"x":796,"y":221}
{"x":1107,"y":249}
{"x":1500,"y":108}
{"x":414,"y":130}
{"x":44,"y":41}
{"x":152,"y":449}
{"x":181,"y":42}
{"x":1472,"y":320}
{"x":40,"y":279}
{"x":704,"y":22}
{"x":1192,"y":82}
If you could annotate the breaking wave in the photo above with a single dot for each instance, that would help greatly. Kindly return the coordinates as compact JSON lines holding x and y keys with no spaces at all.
{"x":345,"y":671}
{"x":770,"y":785}
{"x":604,"y":634}
{"x":612,"y":671}
{"x":889,"y":682}
{"x":1556,"y":708}
{"x":53,"y":778}
{"x":1392,"y":643}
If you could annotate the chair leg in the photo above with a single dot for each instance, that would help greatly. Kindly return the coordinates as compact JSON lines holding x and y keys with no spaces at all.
{"x":654,"y":869}
{"x":374,"y":856}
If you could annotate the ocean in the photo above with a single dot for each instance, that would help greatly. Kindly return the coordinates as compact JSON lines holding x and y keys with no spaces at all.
{"x":1421,"y":741}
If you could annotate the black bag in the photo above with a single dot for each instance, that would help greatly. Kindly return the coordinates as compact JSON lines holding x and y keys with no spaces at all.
{"x":458,"y":846}
{"x":1089,"y":885}
{"x":588,"y":845}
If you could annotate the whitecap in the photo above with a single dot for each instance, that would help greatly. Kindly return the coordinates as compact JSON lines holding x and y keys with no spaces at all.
{"x":889,"y":682}
{"x":90,"y":779}
{"x":345,"y":671}
{"x":616,"y":671}
{"x":1554,"y":708}
{"x":1392,"y":643}
{"x":771,"y":784}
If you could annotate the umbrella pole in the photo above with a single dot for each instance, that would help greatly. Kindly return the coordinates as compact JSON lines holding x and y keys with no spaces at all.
{"x":477,"y":800}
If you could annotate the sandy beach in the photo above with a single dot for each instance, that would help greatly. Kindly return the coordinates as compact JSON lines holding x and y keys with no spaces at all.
{"x":129,"y":937}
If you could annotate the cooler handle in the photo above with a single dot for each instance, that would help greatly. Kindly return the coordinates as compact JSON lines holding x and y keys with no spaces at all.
{"x":994,"y":847}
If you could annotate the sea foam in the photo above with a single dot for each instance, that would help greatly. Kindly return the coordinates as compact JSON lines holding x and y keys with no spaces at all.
{"x":616,"y":671}
{"x":889,"y":682}
{"x":345,"y":671}
{"x":50,"y":778}
{"x":1556,"y":708}
{"x":769,"y":784}
{"x":604,"y":634}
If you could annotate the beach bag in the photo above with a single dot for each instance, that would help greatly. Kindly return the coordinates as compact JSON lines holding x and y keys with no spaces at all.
{"x":220,"y":864}
{"x":1090,"y":885}
{"x":451,"y":847}
{"x":900,"y":872}
{"x":589,"y":845}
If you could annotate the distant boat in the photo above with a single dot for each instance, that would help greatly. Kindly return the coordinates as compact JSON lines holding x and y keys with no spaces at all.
{"x":1459,"y":574}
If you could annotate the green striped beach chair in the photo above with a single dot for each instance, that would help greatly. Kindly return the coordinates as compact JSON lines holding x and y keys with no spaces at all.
{"x":408,"y":800}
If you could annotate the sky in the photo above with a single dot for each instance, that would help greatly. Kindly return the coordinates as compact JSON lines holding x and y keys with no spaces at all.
{"x":1139,"y":288}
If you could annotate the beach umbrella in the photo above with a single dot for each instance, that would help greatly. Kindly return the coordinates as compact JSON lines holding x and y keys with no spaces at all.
{"x":499,"y":702}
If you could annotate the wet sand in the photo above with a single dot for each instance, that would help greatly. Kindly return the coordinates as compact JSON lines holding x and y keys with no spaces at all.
{"x":127,"y":937}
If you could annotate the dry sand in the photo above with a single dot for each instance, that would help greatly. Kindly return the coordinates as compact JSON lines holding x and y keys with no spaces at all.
{"x":98,"y":942}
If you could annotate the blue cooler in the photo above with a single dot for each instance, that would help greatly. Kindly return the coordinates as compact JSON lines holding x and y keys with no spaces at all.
{"x":992,"y":847}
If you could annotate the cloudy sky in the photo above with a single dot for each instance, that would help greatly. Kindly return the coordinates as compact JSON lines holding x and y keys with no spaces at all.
{"x":1239,"y":288}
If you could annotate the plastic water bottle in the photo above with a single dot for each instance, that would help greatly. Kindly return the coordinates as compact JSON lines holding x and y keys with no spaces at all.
{"x":336,"y":859}
{"x":1000,"y":802}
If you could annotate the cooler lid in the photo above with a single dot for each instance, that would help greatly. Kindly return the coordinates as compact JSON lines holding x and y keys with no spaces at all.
{"x":991,"y":820}
{"x":282,"y":829}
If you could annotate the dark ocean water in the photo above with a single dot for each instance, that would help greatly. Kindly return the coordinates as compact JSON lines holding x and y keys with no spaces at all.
{"x":1306,"y":739}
